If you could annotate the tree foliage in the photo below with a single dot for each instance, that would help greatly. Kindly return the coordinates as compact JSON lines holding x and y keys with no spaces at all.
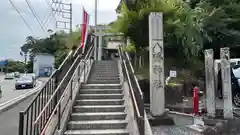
{"x":57,"y":44}
{"x":15,"y":66}
{"x":189,"y":27}
{"x":183,"y":26}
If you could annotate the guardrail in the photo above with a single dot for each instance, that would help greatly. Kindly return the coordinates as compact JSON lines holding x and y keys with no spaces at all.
{"x":44,"y":104}
{"x":135,"y":90}
{"x":64,"y":99}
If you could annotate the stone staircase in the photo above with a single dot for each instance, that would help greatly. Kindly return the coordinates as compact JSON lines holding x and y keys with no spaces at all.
{"x":104,"y":72}
{"x":99,"y":107}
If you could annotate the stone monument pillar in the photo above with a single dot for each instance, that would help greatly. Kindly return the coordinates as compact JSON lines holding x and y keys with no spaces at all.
{"x":156,"y":56}
{"x":210,"y":86}
{"x":226,"y":82}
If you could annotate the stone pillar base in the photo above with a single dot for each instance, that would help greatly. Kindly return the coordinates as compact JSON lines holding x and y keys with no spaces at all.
{"x":160,"y":120}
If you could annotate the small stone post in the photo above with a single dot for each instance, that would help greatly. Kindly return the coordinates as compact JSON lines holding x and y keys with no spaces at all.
{"x":95,"y":48}
{"x":156,"y":67}
{"x":210,"y":86}
{"x":226,"y":82}
{"x":100,"y":48}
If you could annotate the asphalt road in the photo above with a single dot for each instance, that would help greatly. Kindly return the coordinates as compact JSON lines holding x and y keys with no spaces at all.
{"x":9,"y":92}
{"x":8,"y":89}
{"x":9,"y":119}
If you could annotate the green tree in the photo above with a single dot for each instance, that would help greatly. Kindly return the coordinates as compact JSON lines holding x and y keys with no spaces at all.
{"x":16,"y":66}
{"x":183,"y":26}
{"x":223,"y":25}
{"x":57,"y":44}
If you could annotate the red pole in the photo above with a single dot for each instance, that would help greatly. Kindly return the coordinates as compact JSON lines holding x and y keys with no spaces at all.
{"x":196,"y":101}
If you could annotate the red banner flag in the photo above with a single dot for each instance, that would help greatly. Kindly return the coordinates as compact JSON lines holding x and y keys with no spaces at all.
{"x":84,"y":29}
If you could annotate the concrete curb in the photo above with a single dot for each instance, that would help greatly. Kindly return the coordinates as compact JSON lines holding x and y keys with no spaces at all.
{"x":11,"y":103}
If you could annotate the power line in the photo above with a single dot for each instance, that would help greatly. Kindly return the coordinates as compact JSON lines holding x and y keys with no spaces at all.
{"x":50,"y":16}
{"x":49,"y":4}
{"x":22,"y":17}
{"x":36,"y":16}
{"x":48,"y":19}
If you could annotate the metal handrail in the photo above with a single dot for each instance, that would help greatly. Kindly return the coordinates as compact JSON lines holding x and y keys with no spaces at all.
{"x":135,"y":78}
{"x":132,"y":93}
{"x":48,"y":80}
{"x":47,"y":93}
{"x":65,"y":60}
{"x":135,"y":92}
{"x":54,"y":93}
{"x":59,"y":86}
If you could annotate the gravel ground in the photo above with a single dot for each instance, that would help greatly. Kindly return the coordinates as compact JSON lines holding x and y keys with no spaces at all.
{"x":170,"y":130}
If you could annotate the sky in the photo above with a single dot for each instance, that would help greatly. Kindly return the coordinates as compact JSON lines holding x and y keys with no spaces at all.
{"x":13,"y":30}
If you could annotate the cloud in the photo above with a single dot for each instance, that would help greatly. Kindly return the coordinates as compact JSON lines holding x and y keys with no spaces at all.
{"x":14,"y":30}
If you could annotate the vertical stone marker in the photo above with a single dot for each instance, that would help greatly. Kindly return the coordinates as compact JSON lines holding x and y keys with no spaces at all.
{"x":210,"y":86}
{"x":100,"y":35}
{"x":156,"y":56}
{"x":226,"y":82}
{"x":95,"y":48}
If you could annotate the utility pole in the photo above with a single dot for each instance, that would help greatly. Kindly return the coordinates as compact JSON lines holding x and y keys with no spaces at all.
{"x":65,"y":11}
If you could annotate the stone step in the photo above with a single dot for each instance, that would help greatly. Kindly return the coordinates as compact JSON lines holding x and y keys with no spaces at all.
{"x":103,"y":82}
{"x":106,"y":69}
{"x":106,"y":72}
{"x":99,"y":96}
{"x":105,"y":75}
{"x":97,"y":124}
{"x":98,"y":116}
{"x":97,"y":132}
{"x":100,"y":108}
{"x":95,"y":76}
{"x":101,"y":86}
{"x":106,"y":66}
{"x":101,"y":91}
{"x":113,"y":75}
{"x":100,"y":102}
{"x":103,"y":66}
{"x":104,"y":78}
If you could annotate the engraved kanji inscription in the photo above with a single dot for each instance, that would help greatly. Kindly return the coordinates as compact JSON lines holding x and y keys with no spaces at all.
{"x":157,"y":51}
{"x":157,"y":69}
{"x":157,"y":84}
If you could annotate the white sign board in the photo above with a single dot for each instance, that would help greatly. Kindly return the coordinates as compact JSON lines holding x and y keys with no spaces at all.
{"x":173,"y":73}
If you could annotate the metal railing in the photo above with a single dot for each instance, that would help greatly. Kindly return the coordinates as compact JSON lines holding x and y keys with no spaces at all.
{"x":135,"y":90}
{"x":35,"y":118}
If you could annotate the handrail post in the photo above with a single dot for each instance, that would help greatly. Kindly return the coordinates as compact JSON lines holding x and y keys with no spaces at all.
{"x":142,"y":105}
{"x":21,"y":123}
{"x":55,"y":87}
{"x":59,"y":113}
{"x":142,"y":113}
{"x":71,"y":89}
{"x":142,"y":126}
{"x":84,"y":66}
